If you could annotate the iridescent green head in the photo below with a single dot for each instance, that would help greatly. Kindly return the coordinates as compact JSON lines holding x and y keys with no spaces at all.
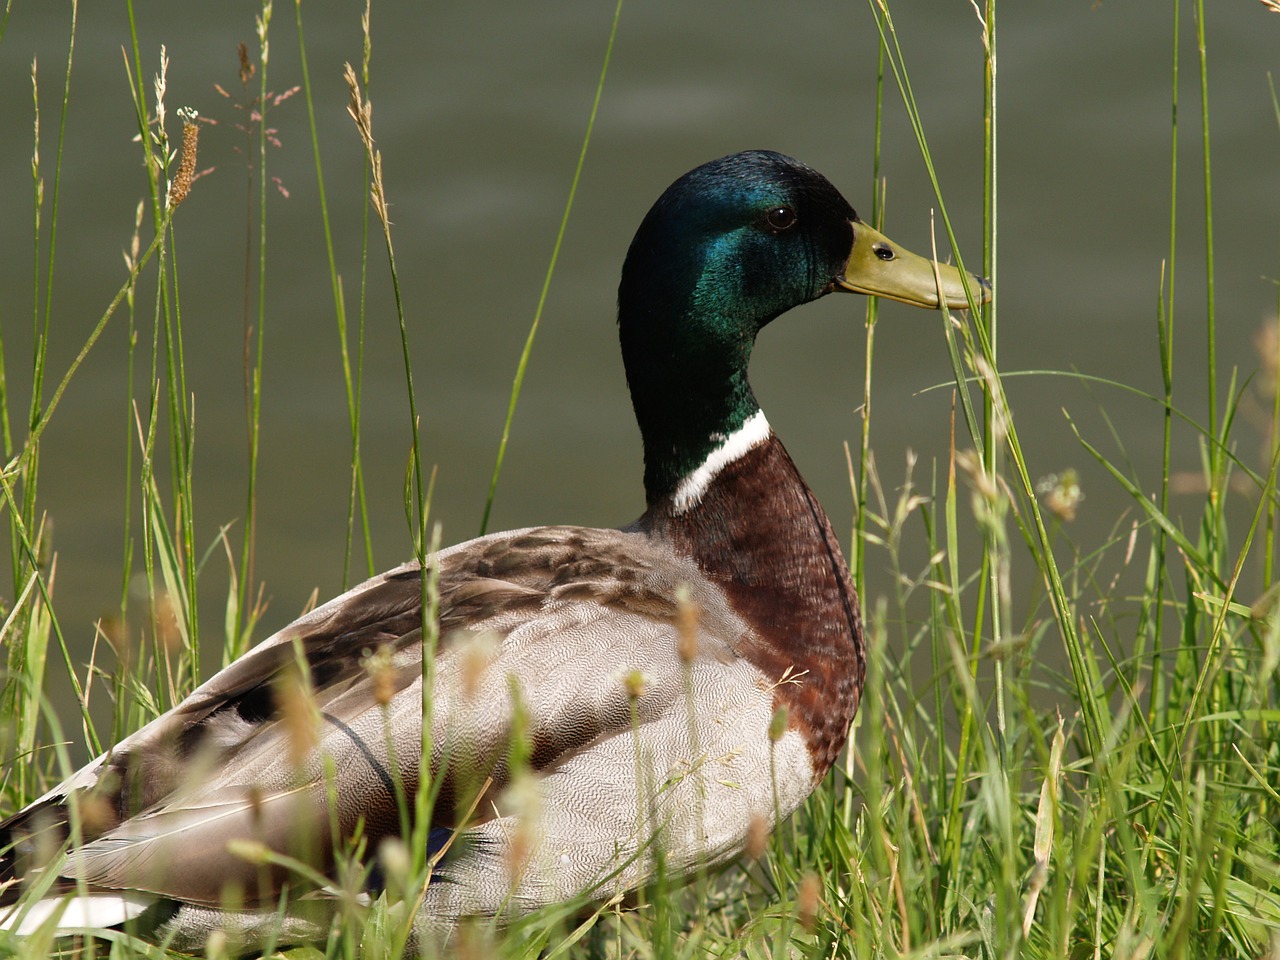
{"x":726,"y":249}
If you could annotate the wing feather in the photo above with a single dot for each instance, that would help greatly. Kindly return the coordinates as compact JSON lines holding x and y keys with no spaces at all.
{"x":549,"y":621}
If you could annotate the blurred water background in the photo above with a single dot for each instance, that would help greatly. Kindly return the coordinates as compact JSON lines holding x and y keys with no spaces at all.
{"x":479,"y":110}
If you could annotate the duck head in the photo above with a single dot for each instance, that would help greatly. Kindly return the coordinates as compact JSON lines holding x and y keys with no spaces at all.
{"x":727,"y":248}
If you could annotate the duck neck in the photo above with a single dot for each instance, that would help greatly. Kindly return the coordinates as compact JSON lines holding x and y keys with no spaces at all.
{"x":688,"y":436}
{"x":692,"y":402}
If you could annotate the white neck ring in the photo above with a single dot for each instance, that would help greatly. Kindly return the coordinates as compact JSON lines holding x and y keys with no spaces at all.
{"x":753,"y":432}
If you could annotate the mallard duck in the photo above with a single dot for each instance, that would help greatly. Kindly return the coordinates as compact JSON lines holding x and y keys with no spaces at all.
{"x":678,"y":680}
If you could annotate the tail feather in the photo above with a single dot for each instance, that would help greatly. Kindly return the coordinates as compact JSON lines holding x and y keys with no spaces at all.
{"x":97,"y":909}
{"x":30,"y":838}
{"x":33,"y":837}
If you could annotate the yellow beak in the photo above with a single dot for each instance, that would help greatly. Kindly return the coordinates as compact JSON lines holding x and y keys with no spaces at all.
{"x":881,"y":268}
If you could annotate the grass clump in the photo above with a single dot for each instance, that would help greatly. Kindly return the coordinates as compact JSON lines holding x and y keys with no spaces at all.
{"x":1128,"y":806}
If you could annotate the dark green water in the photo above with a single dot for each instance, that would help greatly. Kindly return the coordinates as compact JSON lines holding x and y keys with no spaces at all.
{"x":480,"y":110}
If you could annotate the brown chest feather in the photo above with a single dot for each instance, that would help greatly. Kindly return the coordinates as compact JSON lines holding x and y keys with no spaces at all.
{"x":761,"y":535}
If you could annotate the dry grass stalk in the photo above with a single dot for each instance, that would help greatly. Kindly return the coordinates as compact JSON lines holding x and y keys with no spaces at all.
{"x":161,"y":85}
{"x":361,"y":111}
{"x":262,"y":25}
{"x":35,"y":149}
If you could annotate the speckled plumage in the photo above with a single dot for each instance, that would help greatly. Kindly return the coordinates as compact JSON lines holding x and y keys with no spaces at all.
{"x":544,"y":628}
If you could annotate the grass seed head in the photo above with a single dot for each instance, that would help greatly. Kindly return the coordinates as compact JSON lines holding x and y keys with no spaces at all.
{"x":633,"y":683}
{"x":251,"y":851}
{"x":161,"y":85}
{"x":216,"y":947}
{"x":778,"y":725}
{"x":253,"y":795}
{"x":757,"y":836}
{"x":167,"y":625}
{"x":262,"y":26}
{"x":396,"y":863}
{"x":247,"y":67}
{"x":96,"y":814}
{"x":686,"y":625}
{"x":1062,"y":493}
{"x":378,"y":666}
{"x":475,"y":657}
{"x":180,"y":186}
{"x":808,"y":897}
{"x":473,"y":942}
{"x":298,"y":714}
{"x":361,"y":110}
{"x":521,"y":798}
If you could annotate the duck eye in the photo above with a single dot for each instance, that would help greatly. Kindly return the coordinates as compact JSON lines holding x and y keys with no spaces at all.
{"x":780,"y":218}
{"x":884,"y":251}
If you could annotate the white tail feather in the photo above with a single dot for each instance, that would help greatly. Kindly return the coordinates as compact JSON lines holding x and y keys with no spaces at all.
{"x":73,"y":912}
